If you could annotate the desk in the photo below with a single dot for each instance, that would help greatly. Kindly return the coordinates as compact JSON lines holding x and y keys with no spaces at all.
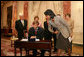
{"x":43,"y":44}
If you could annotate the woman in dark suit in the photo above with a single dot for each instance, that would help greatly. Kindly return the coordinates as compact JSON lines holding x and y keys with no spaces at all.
{"x":48,"y":35}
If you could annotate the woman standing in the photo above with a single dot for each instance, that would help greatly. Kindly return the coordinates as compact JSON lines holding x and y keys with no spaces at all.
{"x":63,"y":32}
{"x":70,"y":22}
{"x":36,"y":18}
{"x":71,"y":26}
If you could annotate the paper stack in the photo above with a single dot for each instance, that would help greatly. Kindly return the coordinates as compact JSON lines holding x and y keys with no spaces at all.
{"x":24,"y":40}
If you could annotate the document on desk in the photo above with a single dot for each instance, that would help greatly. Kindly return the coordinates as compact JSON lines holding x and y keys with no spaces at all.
{"x":24,"y":40}
{"x":37,"y":39}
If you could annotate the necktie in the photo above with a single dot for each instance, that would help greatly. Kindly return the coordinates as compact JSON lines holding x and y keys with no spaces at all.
{"x":35,"y":31}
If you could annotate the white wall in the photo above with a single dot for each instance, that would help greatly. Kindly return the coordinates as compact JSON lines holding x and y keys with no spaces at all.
{"x":77,"y":16}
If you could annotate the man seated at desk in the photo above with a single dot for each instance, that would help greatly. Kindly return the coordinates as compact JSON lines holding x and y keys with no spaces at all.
{"x":35,"y":32}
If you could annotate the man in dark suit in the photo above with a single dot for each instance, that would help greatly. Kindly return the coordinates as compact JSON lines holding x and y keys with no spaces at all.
{"x":21,"y":26}
{"x":35,"y":32}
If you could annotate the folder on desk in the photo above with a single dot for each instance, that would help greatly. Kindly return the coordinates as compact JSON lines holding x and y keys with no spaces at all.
{"x":24,"y":40}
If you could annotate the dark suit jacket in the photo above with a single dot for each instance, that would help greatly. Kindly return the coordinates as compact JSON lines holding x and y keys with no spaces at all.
{"x":20,"y":28}
{"x":47,"y":33}
{"x":39,"y":35}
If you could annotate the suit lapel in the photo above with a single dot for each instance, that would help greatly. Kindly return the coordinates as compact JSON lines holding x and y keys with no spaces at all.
{"x":24,"y":22}
{"x":33,"y":31}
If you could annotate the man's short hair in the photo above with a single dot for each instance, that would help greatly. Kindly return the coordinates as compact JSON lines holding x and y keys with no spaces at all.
{"x":20,"y":14}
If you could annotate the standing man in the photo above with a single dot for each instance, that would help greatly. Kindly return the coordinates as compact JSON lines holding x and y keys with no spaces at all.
{"x":21,"y":26}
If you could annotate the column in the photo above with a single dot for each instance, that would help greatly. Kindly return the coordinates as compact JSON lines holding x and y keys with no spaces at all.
{"x":26,"y":12}
{"x":14,"y":17}
{"x":66,"y":8}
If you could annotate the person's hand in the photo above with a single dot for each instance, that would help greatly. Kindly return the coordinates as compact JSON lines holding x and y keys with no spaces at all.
{"x":56,"y":32}
{"x":33,"y":37}
{"x":70,"y":39}
{"x":71,"y":35}
{"x":26,"y":34}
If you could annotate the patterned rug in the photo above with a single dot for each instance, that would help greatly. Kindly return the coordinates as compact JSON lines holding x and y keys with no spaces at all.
{"x":7,"y":50}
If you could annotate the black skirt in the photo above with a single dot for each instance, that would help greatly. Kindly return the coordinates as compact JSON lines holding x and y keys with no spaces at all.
{"x":63,"y":43}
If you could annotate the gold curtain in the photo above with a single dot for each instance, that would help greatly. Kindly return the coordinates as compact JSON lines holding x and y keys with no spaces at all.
{"x":39,"y":7}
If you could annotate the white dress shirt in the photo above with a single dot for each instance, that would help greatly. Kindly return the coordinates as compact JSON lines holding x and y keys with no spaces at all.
{"x":22,"y":21}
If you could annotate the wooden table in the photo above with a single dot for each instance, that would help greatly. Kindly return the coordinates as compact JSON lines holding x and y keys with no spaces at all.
{"x":43,"y":44}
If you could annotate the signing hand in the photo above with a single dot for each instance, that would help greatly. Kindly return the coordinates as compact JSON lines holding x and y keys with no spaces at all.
{"x":26,"y":34}
{"x":33,"y":37}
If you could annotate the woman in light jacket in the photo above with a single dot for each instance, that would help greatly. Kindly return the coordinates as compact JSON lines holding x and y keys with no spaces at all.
{"x":63,"y":32}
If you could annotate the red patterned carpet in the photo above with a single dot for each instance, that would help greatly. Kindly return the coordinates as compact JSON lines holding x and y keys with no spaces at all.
{"x":7,"y":50}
